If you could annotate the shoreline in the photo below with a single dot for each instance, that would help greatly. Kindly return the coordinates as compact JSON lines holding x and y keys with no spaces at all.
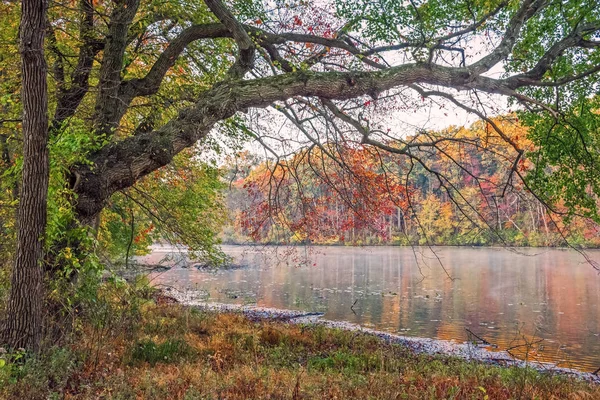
{"x":163,"y":246}
{"x":466,"y":351}
{"x":424,"y":246}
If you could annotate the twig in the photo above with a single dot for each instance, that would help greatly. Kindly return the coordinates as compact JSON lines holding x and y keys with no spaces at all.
{"x":483,"y":341}
{"x":352,"y":306}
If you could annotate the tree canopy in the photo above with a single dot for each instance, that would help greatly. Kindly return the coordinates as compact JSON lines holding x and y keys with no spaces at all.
{"x":150,"y":79}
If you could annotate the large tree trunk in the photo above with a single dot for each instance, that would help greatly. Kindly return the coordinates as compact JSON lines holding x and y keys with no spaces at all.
{"x":23,"y":327}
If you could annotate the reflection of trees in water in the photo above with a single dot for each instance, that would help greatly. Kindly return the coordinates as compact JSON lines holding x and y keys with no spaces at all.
{"x":494,"y":287}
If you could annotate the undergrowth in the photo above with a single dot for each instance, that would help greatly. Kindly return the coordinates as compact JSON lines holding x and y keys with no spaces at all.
{"x":140,"y":346}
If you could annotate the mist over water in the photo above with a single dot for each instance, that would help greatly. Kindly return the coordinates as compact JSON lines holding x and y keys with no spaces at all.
{"x":507,"y":298}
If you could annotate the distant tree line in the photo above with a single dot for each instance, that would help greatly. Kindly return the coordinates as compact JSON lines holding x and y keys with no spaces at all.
{"x":374,"y":199}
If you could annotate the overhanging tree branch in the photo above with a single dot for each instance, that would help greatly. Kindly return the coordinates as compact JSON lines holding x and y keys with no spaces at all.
{"x":120,"y":164}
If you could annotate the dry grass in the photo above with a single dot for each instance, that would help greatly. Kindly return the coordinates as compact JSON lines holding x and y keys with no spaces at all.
{"x":173,"y":352}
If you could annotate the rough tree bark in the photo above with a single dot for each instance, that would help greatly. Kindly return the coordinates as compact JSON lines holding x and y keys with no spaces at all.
{"x":109,"y":108}
{"x":23,"y":327}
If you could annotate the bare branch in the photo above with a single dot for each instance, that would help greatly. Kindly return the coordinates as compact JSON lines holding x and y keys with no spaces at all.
{"x":246,"y":50}
{"x":150,"y":84}
{"x":70,"y":98}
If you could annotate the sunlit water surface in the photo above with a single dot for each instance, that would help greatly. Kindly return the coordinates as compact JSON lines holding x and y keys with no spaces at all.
{"x":507,"y":298}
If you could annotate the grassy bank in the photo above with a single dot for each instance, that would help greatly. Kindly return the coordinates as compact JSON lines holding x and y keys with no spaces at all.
{"x":169,"y":351}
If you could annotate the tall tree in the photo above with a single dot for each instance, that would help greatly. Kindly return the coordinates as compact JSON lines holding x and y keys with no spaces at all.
{"x":23,"y":326}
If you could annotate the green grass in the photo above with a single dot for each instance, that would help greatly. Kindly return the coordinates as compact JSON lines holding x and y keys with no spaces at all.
{"x":180,"y":353}
{"x":168,"y":351}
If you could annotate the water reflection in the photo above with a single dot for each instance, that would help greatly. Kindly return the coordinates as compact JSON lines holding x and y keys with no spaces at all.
{"x":499,"y":295}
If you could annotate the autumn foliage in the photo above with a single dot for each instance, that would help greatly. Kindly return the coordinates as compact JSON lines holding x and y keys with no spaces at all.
{"x":321,"y":200}
{"x":468,"y":193}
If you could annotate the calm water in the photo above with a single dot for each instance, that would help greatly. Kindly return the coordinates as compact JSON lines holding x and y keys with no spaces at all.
{"x":507,"y":298}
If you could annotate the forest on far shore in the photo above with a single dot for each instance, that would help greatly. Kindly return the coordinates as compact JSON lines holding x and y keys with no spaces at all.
{"x":310,"y":199}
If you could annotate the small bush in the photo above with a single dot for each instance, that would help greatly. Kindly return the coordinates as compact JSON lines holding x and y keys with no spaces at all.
{"x":29,"y":377}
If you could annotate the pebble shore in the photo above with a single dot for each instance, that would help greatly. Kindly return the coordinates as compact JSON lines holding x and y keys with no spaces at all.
{"x":467,"y":351}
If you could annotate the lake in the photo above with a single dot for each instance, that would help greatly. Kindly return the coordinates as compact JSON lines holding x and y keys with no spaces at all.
{"x":543,"y":304}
